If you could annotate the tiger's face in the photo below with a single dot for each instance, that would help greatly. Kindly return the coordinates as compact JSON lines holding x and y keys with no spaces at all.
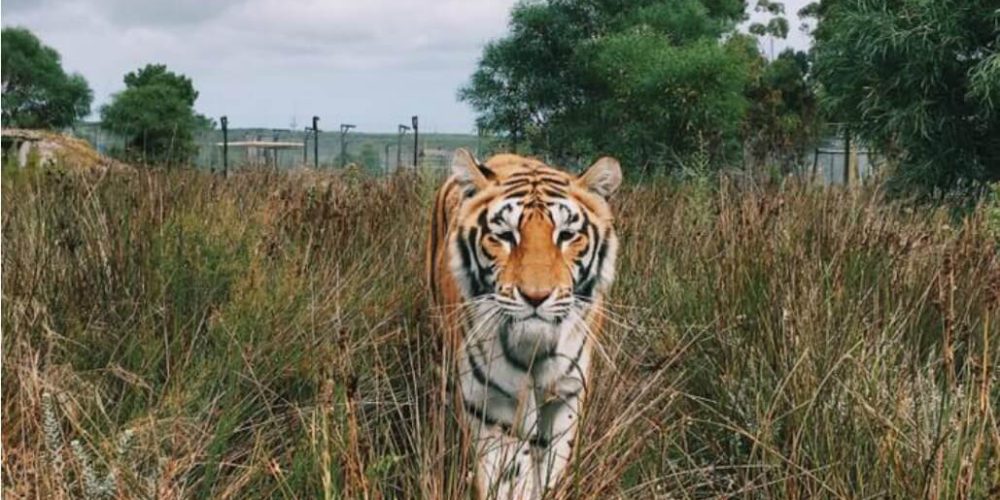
{"x":535,"y":246}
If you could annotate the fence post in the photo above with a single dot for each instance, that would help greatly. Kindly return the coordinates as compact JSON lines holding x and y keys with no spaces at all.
{"x":225,"y":145}
{"x":847,"y":156}
{"x":316,"y":142}
{"x":815,"y":165}
{"x":416,"y":133}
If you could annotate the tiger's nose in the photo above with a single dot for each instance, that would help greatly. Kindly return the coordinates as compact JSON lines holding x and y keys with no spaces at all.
{"x":534,"y":298}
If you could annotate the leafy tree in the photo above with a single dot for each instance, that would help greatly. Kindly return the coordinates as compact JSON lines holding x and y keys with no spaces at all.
{"x":777,"y":25}
{"x":647,"y":81}
{"x":919,"y":80}
{"x":37,"y":93}
{"x":155,"y":113}
{"x":783,"y":119}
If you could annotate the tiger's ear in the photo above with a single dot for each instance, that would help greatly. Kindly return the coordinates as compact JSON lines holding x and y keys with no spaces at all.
{"x":603,"y":177}
{"x":470,"y":174}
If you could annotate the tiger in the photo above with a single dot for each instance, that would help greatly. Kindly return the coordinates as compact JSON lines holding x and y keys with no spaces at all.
{"x":520,"y":258}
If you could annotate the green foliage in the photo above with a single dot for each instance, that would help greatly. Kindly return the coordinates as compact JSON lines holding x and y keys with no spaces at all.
{"x":783,"y":117}
{"x":155,"y":113}
{"x":37,"y":93}
{"x":777,"y":25}
{"x":369,"y":158}
{"x":919,"y":80}
{"x":660,"y":100}
{"x":638,"y":80}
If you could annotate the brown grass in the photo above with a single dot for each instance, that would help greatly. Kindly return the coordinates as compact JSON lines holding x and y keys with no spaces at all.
{"x":266,"y":337}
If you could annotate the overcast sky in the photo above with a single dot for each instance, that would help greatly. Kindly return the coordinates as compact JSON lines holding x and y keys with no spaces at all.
{"x":266,"y":63}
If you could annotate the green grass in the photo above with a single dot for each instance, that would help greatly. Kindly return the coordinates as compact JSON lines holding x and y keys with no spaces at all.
{"x":268,"y":336}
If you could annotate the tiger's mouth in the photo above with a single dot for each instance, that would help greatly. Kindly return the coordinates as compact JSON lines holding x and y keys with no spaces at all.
{"x":550,"y":312}
{"x":536,"y":315}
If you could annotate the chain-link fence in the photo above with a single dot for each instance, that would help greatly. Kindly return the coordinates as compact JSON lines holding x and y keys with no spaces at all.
{"x":840,"y":159}
{"x":250,"y":148}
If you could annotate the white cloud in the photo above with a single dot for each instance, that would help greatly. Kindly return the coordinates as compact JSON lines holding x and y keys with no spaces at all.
{"x":369,"y":62}
{"x":261,"y":61}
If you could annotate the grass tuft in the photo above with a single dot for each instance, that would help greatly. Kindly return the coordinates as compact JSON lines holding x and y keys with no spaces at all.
{"x":268,"y":336}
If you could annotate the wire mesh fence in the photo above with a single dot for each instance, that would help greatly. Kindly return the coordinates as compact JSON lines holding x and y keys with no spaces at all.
{"x":840,"y":158}
{"x":250,"y":148}
{"x":255,"y":148}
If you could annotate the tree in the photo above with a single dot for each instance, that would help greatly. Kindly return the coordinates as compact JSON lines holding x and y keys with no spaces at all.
{"x":918,"y":80}
{"x":155,"y":113}
{"x":783,"y":119}
{"x":647,"y":81}
{"x":37,"y":93}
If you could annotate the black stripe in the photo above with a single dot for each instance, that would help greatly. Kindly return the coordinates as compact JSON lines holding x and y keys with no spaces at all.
{"x":553,"y":180}
{"x":497,"y":217}
{"x":574,"y":363}
{"x":593,"y":241}
{"x":586,"y":288}
{"x":471,"y":241}
{"x":507,"y":236}
{"x":519,"y":174}
{"x":515,"y":183}
{"x":539,"y":441}
{"x":508,"y":354}
{"x":514,"y":195}
{"x":484,"y":417}
{"x":487,"y":172}
{"x":477,"y":372}
{"x":483,"y":271}
{"x":465,"y":253}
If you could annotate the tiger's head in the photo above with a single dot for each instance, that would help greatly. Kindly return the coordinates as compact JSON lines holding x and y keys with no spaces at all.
{"x":533,"y":243}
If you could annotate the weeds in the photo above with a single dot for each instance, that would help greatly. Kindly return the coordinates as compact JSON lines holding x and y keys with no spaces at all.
{"x":268,"y":336}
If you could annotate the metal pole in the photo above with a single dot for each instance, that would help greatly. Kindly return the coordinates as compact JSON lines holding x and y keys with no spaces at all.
{"x":316,"y":142}
{"x":815,"y":165}
{"x":225,"y":146}
{"x":387,"y":157}
{"x":416,"y":134}
{"x":847,"y":156}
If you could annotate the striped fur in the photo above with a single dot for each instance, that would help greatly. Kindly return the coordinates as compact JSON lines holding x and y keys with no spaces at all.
{"x":519,"y":260}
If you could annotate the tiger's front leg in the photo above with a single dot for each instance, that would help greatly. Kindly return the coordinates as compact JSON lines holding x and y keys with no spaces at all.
{"x":499,"y":413}
{"x":558,"y":419}
{"x":561,"y":403}
{"x":506,"y":466}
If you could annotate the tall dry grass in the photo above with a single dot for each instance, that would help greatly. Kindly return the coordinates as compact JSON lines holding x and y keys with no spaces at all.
{"x":268,"y":336}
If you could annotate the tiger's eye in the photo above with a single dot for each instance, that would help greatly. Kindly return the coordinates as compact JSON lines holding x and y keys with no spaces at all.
{"x":565,"y":236}
{"x":507,"y":236}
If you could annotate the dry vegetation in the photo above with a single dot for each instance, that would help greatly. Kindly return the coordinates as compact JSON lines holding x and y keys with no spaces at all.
{"x":180,"y":335}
